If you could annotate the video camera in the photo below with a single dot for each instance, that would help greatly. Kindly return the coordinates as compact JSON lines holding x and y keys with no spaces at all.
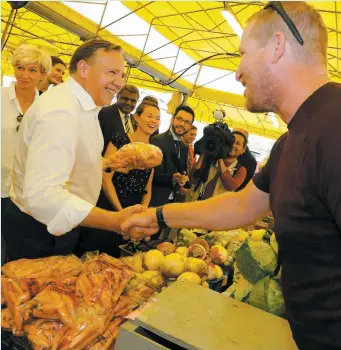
{"x":217,"y":140}
{"x":216,"y":143}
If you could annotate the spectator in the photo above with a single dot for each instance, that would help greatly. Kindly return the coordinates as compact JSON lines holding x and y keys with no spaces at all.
{"x":225,"y":175}
{"x":54,"y":76}
{"x":188,"y":139}
{"x":170,"y":176}
{"x":117,"y":118}
{"x":30,"y":67}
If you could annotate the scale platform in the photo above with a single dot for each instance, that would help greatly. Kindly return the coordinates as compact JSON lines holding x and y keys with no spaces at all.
{"x":189,"y":316}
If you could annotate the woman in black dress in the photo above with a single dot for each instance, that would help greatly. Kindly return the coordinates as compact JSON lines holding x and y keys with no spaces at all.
{"x":122,"y":190}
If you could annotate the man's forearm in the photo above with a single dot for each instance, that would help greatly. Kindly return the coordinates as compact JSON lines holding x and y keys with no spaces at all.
{"x":227,"y":211}
{"x":102,"y":219}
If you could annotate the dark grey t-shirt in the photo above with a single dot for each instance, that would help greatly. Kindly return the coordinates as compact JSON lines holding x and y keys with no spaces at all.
{"x":303,"y":178}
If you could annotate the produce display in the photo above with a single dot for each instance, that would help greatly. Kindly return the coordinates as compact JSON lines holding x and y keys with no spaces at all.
{"x":137,"y":155}
{"x":63,"y":302}
{"x":67,"y":303}
{"x":257,"y":275}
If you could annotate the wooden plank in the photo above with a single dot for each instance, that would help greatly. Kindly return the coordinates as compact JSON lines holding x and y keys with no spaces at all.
{"x":195,"y":317}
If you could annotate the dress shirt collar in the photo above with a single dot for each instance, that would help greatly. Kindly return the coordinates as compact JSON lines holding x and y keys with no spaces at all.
{"x":122,"y":114}
{"x":175,"y":137}
{"x":12,"y":95}
{"x":84,"y":98}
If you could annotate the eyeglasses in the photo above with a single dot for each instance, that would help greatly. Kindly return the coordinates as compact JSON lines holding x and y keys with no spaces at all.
{"x":277,"y":6}
{"x":180,"y":120}
{"x":19,"y":119}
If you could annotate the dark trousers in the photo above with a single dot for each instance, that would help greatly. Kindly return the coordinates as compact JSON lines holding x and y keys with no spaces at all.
{"x":26,"y":237}
{"x":92,"y":239}
{"x":4,"y":203}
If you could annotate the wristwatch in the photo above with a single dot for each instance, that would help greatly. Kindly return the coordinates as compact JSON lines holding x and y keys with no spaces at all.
{"x":160,"y":219}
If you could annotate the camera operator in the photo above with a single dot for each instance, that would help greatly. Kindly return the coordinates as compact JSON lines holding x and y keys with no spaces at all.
{"x":225,"y":174}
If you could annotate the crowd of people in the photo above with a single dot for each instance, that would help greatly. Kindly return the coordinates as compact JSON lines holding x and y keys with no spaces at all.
{"x":60,"y":194}
{"x":120,"y":123}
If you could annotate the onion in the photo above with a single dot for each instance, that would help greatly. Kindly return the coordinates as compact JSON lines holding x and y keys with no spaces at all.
{"x":189,"y":276}
{"x":197,"y":251}
{"x":197,"y":266}
{"x":183,"y":251}
{"x":173,"y":265}
{"x":153,"y":260}
{"x":202,"y":242}
{"x":166,"y":248}
{"x":218,"y":254}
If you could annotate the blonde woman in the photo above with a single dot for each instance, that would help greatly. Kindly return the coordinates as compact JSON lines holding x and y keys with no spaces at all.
{"x":31,"y":65}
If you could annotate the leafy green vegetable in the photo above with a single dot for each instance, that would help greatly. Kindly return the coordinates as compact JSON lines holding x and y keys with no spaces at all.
{"x":267,"y":295}
{"x":185,"y":237}
{"x":274,"y":244}
{"x":256,"y":260}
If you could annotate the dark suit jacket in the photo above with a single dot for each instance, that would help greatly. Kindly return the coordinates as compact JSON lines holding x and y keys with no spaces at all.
{"x":171,"y":164}
{"x":111,"y":123}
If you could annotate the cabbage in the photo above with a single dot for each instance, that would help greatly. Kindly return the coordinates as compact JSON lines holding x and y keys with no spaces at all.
{"x":256,"y":260}
{"x":267,"y":295}
{"x":273,"y":243}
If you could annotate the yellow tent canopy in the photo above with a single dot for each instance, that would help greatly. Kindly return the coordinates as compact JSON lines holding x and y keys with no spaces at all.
{"x":161,"y":41}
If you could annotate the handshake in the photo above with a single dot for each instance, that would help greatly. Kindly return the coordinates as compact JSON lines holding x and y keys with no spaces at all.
{"x":137,"y":222}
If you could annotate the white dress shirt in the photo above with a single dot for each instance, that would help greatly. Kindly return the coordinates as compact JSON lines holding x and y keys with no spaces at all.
{"x":57,"y":171}
{"x":10,"y":110}
{"x":123,"y":121}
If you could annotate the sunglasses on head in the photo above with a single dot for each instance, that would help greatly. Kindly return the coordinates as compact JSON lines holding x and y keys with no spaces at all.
{"x":19,"y":119}
{"x":277,"y":6}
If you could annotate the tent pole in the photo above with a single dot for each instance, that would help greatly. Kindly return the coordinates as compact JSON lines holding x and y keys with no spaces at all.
{"x":9,"y":22}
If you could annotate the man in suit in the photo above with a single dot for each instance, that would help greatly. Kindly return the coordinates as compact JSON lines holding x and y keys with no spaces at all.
{"x":171,"y":175}
{"x":117,"y":118}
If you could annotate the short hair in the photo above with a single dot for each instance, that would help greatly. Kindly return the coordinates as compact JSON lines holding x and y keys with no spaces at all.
{"x":28,"y":54}
{"x":88,"y":49}
{"x":193,"y":127}
{"x":57,"y":60}
{"x":129,"y":88}
{"x":185,"y":108}
{"x":140,"y":108}
{"x":308,"y":22}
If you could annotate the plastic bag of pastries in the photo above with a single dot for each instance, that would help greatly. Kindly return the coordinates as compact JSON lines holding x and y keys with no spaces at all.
{"x":137,"y":155}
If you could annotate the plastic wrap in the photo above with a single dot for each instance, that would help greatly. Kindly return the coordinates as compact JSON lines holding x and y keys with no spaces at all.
{"x":54,"y":266}
{"x":64,"y":311}
{"x":45,"y":334}
{"x":137,"y":155}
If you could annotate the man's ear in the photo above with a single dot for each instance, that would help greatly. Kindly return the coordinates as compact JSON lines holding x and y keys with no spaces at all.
{"x":83,"y":68}
{"x":277,"y":46}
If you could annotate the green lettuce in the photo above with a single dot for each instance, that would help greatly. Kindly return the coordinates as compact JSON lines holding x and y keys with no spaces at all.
{"x":256,"y":260}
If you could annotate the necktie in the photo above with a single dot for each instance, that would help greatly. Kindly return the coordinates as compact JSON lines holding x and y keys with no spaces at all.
{"x":127,"y":124}
{"x":178,"y":148}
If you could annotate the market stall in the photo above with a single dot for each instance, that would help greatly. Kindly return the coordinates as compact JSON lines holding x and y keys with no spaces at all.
{"x":70,"y":303}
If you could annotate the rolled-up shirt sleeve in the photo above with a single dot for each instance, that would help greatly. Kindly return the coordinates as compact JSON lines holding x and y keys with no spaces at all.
{"x":50,"y":160}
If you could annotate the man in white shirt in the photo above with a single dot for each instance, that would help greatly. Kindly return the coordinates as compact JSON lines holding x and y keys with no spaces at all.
{"x":57,"y":171}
